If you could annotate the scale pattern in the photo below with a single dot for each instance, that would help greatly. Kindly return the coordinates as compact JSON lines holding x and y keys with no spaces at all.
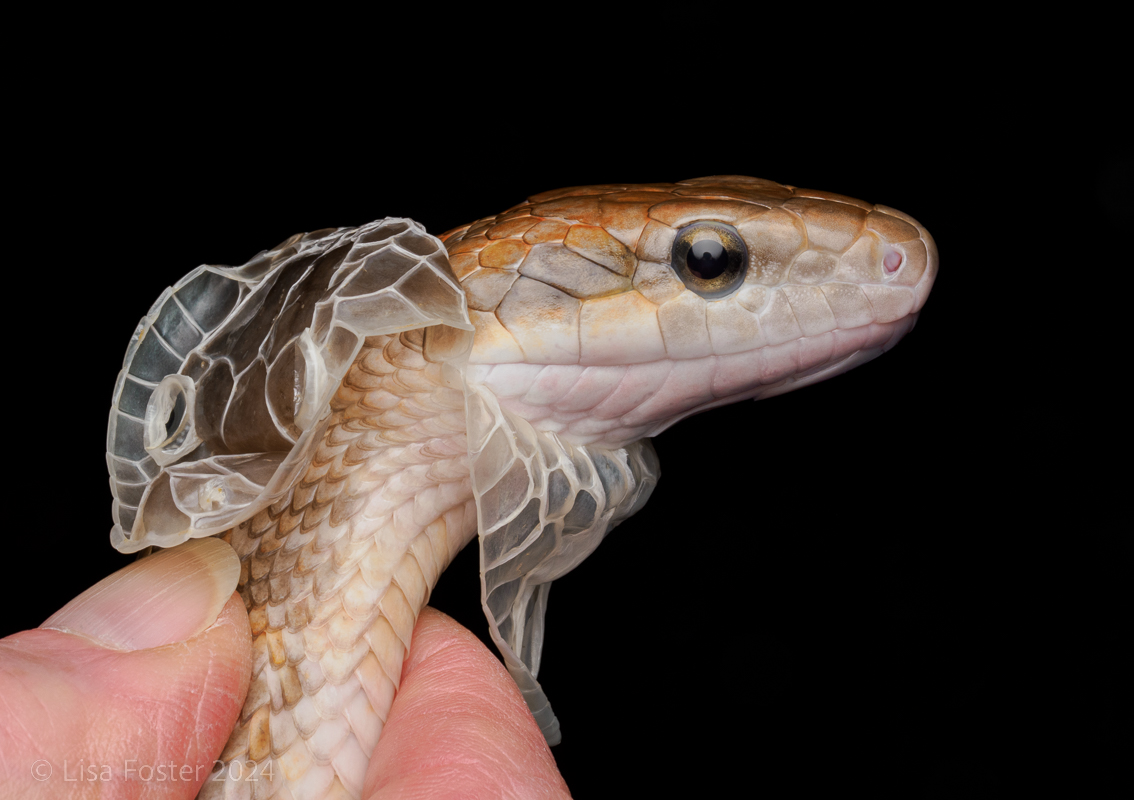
{"x":335,"y":574}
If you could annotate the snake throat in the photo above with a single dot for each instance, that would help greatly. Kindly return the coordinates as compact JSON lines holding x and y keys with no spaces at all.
{"x":335,"y":573}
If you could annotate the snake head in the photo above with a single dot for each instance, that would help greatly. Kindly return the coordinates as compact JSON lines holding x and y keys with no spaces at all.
{"x":606,"y":314}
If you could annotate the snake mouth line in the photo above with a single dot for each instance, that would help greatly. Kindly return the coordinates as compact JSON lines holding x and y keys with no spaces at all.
{"x":885,"y":338}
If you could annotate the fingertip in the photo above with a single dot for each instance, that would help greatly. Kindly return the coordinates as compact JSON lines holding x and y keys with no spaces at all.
{"x":167,"y":597}
{"x":459,"y":723}
{"x":435,"y":631}
{"x":159,"y":711}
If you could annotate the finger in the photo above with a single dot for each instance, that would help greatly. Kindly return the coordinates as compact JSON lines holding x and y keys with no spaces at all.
{"x":135,"y":685}
{"x":459,"y":726}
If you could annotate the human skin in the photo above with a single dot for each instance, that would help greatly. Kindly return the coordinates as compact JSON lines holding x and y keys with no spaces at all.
{"x":138,"y":681}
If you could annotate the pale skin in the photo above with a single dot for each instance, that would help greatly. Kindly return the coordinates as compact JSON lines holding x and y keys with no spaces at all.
{"x":76,"y":713}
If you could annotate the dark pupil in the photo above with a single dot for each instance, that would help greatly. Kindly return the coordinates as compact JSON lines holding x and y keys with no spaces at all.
{"x":707,"y":259}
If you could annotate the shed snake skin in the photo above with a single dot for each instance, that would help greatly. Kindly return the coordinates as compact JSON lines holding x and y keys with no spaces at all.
{"x":352,"y":407}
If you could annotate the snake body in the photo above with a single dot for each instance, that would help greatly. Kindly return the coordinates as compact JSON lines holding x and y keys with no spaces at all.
{"x":352,"y":407}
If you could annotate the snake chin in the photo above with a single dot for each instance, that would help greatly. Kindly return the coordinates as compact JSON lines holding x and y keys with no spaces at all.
{"x":610,"y":407}
{"x":814,"y":375}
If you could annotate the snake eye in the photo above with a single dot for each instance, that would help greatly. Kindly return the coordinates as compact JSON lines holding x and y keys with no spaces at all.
{"x":710,"y":258}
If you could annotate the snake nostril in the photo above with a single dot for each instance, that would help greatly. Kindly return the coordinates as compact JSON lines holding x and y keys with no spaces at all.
{"x":892,"y":261}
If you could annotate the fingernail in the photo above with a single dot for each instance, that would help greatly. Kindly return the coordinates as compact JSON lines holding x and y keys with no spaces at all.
{"x":167,"y":597}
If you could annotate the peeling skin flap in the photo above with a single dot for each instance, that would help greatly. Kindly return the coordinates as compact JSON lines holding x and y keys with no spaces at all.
{"x":228,"y":380}
{"x":543,"y":506}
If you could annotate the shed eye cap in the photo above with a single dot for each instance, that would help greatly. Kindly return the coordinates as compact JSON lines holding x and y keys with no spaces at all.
{"x":170,"y":426}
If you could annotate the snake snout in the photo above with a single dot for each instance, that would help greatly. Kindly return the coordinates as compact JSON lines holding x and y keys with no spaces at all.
{"x":914,"y":260}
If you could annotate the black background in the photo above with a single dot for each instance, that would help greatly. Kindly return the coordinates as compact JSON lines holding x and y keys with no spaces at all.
{"x":930,"y":610}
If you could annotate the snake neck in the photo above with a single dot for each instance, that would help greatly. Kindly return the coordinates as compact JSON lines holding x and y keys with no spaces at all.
{"x":335,"y":573}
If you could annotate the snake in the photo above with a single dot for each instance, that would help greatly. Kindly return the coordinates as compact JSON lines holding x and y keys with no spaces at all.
{"x":353,"y":406}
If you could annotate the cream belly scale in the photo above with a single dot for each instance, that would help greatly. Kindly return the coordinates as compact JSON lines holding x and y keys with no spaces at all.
{"x":350,"y":408}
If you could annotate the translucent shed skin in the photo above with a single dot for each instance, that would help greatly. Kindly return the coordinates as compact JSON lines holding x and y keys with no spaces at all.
{"x":352,"y":407}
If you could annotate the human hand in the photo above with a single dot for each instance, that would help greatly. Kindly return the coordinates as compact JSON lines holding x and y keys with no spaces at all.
{"x":138,"y":681}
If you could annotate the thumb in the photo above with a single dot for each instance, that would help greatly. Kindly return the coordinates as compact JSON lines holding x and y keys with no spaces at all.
{"x":137,"y":682}
{"x":459,"y":726}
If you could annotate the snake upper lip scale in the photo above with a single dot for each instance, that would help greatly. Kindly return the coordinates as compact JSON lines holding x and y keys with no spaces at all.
{"x":353,"y":406}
